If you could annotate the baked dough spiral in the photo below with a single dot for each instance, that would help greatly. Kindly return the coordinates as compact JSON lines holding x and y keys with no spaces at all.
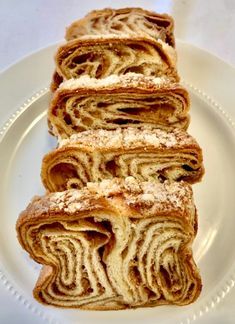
{"x":117,"y":101}
{"x":145,"y":153}
{"x":127,"y":21}
{"x":113,"y":245}
{"x":101,"y":56}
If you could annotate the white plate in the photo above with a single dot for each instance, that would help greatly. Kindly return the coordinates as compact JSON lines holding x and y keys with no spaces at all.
{"x":24,"y":141}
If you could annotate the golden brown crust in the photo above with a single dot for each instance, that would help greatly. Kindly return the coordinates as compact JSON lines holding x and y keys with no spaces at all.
{"x":145,"y":153}
{"x":106,"y":21}
{"x":95,"y":243}
{"x":117,"y":101}
{"x":56,"y":81}
{"x":100,"y":57}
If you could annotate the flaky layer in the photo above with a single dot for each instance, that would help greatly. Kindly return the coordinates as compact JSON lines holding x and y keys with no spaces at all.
{"x":100,"y":57}
{"x":124,"y":21}
{"x":113,"y":245}
{"x":145,"y":153}
{"x":117,"y":101}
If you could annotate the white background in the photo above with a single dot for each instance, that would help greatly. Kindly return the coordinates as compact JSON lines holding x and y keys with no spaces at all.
{"x":28,"y":25}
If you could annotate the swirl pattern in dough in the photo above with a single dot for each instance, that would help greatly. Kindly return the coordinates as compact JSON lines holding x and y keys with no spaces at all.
{"x":145,"y":153}
{"x":117,"y":101}
{"x":113,"y":245}
{"x":127,"y":21}
{"x":99,"y":57}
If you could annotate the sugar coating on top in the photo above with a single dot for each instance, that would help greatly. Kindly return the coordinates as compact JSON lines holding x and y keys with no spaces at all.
{"x":122,"y":35}
{"x":160,"y":196}
{"x":130,"y":137}
{"x":129,"y":80}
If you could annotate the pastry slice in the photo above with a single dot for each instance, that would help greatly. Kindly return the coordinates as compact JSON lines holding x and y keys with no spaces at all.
{"x":129,"y":21}
{"x":145,"y":153}
{"x":113,"y":245}
{"x":117,"y":101}
{"x":100,"y":57}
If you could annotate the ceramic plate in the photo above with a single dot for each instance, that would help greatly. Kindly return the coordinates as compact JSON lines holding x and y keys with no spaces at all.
{"x":24,"y":140}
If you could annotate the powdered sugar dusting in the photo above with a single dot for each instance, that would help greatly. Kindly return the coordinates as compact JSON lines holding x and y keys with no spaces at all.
{"x":68,"y":201}
{"x":131,"y":137}
{"x":110,"y":36}
{"x":129,"y":80}
{"x":159,"y":196}
{"x":169,"y":193}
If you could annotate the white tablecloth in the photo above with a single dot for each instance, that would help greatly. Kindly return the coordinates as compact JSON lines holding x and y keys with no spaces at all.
{"x":27,"y":26}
